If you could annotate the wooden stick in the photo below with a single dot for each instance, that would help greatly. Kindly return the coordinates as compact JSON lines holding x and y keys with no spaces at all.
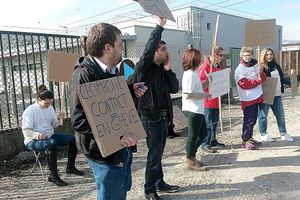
{"x":214,"y":42}
{"x":220,"y":114}
{"x":62,"y":102}
{"x":213,"y":46}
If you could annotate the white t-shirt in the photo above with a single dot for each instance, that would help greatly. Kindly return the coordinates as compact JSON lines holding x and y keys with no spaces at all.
{"x":39,"y":120}
{"x":249,"y":73}
{"x":191,"y":83}
{"x":275,"y":74}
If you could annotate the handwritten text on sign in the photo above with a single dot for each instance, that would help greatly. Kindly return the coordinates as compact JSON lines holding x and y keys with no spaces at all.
{"x":220,"y":83}
{"x":110,"y":111}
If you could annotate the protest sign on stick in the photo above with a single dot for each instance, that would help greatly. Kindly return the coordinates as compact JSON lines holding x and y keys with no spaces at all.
{"x":60,"y":67}
{"x":220,"y":83}
{"x":158,"y":8}
{"x":260,"y":32}
{"x":110,"y":111}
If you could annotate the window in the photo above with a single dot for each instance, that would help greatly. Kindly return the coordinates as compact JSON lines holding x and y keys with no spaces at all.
{"x":207,"y":26}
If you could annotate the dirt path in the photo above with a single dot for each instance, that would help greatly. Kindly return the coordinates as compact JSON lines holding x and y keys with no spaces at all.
{"x":273,"y":172}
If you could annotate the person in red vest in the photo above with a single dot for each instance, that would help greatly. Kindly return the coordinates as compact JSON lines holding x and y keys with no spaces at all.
{"x":211,"y":106}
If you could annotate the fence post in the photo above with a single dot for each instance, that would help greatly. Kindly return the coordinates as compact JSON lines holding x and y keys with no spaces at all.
{"x":83,"y":45}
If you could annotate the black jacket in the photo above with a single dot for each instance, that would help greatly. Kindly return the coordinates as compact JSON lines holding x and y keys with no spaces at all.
{"x":88,"y":70}
{"x":160,"y":83}
{"x":283,"y":80}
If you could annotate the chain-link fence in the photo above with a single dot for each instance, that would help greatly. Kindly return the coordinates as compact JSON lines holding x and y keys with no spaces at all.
{"x":135,"y":50}
{"x":23,"y":67}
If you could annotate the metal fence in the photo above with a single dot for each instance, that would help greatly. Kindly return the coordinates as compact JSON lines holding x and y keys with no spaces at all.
{"x":135,"y":50}
{"x":23,"y":67}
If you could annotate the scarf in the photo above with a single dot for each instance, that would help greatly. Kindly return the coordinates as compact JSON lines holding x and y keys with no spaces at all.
{"x":271,"y":66}
{"x":251,"y":63}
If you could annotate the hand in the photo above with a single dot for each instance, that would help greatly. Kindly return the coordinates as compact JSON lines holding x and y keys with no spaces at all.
{"x":128,"y":140}
{"x":61,"y":115}
{"x":205,"y":84}
{"x":260,"y":69}
{"x":161,"y":21}
{"x":42,"y":136}
{"x":168,"y":65}
{"x":139,"y":89}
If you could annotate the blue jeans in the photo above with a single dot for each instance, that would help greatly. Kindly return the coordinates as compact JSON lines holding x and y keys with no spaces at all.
{"x":156,"y":129}
{"x":212,"y":120}
{"x":278,"y":111}
{"x":55,"y":140}
{"x":113,"y":181}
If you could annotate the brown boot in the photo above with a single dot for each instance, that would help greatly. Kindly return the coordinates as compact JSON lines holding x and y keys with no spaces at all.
{"x":194,"y":164}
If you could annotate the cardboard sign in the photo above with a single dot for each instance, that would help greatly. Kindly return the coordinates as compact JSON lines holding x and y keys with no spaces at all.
{"x":61,"y":65}
{"x":260,"y":32}
{"x":294,"y":85}
{"x":110,"y":111}
{"x":269,"y":89}
{"x":179,"y":119}
{"x":157,"y":7}
{"x":126,"y":68}
{"x":220,"y":83}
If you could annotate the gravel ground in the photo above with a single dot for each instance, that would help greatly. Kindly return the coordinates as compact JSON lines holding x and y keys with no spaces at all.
{"x":273,"y":172}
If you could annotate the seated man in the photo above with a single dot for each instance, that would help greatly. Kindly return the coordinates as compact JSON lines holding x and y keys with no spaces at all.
{"x":39,"y":121}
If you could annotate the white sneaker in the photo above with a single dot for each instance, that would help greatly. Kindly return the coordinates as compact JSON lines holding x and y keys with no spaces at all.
{"x":287,"y":137}
{"x":266,"y":138}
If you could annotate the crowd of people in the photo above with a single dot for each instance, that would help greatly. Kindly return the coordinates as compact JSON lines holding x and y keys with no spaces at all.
{"x":153,"y":83}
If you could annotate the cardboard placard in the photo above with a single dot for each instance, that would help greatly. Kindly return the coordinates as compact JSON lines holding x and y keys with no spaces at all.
{"x":269,"y":89}
{"x":294,"y":85}
{"x":157,"y":7}
{"x":61,"y":65}
{"x":179,"y":119}
{"x":110,"y":111}
{"x":260,"y":32}
{"x":220,"y":83}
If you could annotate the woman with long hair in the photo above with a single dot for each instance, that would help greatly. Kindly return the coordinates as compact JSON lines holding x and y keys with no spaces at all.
{"x":272,"y":69}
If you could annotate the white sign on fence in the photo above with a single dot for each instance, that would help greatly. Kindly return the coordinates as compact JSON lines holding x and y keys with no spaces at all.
{"x":220,"y":83}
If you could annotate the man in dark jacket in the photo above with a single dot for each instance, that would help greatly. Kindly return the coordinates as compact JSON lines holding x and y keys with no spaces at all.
{"x":112,"y":173}
{"x":155,"y":107}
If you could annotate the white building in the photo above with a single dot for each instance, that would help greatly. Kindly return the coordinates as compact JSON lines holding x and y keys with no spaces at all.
{"x":193,"y":26}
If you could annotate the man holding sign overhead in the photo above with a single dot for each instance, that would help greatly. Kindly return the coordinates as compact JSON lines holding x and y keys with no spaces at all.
{"x":155,"y":107}
{"x":113,"y":172}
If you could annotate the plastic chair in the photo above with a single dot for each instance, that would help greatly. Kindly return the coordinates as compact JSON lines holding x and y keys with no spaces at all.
{"x":37,"y":161}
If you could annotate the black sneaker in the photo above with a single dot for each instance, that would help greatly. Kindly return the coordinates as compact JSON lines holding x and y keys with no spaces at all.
{"x":165,"y":187}
{"x":215,"y":143}
{"x":152,"y":196}
{"x":208,"y":149}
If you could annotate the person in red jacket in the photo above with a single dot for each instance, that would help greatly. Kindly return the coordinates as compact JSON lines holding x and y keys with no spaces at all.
{"x":211,"y":106}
